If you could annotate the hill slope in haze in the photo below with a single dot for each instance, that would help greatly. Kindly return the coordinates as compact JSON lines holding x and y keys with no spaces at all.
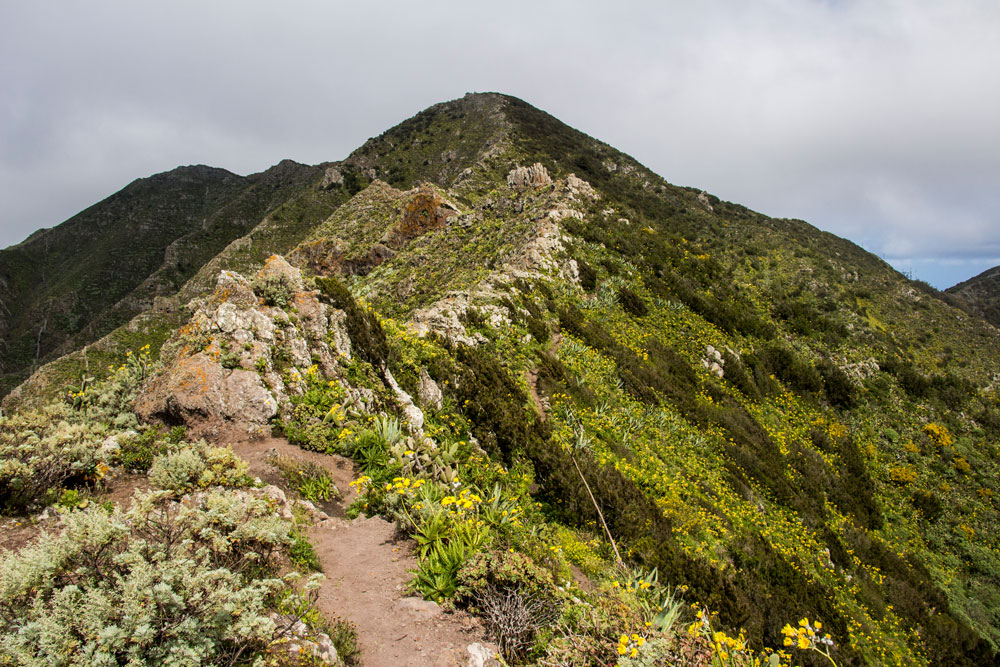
{"x":981,"y":295}
{"x":747,"y":410}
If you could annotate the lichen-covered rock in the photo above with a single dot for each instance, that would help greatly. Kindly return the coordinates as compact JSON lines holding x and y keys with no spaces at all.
{"x":196,"y":390}
{"x":430,"y":393}
{"x":233,"y":288}
{"x":528,"y":177}
{"x":276,"y":268}
{"x":425,"y":211}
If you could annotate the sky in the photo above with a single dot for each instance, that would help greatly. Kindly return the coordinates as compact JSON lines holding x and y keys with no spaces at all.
{"x":876,"y":120}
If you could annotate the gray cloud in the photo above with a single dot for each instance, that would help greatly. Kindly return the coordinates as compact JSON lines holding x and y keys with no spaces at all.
{"x":874,"y":120}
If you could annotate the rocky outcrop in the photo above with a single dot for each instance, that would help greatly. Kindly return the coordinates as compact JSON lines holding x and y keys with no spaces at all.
{"x":425,"y":211}
{"x":534,"y":176}
{"x":713,"y":361}
{"x":332,"y":177}
{"x":237,"y":361}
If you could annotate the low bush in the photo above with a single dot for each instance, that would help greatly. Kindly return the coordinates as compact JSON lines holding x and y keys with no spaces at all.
{"x":40,"y":452}
{"x":164,"y":583}
{"x":198,"y":465}
{"x":312,"y":482}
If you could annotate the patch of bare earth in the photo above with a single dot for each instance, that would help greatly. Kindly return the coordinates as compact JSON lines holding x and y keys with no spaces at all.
{"x":18,"y":531}
{"x":366,"y":564}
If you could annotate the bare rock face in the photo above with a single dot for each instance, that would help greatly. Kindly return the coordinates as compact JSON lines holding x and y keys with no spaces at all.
{"x":580,"y":188}
{"x":224,"y":373}
{"x":332,"y":177}
{"x":714,"y":362}
{"x":534,"y":176}
{"x":198,"y":391}
{"x":425,"y":211}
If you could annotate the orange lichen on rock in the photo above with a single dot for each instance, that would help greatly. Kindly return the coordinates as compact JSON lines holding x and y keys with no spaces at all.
{"x":426,"y":211}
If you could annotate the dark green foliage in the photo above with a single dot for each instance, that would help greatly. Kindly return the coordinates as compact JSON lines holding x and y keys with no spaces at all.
{"x":367,"y":337}
{"x":739,"y":376}
{"x":588,"y":276}
{"x":907,"y":585}
{"x":792,"y":369}
{"x":302,"y":554}
{"x":137,"y":452}
{"x":494,"y":403}
{"x":838,"y":388}
{"x":632,"y":302}
{"x":928,"y":503}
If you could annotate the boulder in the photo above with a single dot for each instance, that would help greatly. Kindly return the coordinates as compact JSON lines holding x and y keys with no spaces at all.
{"x":199,"y":392}
{"x":430,"y":393}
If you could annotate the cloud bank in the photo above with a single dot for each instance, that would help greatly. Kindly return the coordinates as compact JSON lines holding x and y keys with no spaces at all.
{"x":874,"y":120}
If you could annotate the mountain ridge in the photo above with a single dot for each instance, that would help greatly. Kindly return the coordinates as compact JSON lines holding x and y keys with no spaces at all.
{"x":717,"y":372}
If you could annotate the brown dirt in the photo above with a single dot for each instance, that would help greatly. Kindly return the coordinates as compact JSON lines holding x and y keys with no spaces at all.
{"x":366,"y":564}
{"x":18,"y":531}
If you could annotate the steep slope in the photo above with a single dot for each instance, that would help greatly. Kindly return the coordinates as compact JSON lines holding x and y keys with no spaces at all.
{"x":764,"y":413}
{"x":67,"y":286}
{"x":981,"y":295}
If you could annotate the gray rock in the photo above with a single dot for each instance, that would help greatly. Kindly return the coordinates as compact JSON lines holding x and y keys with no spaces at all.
{"x":332,"y":177}
{"x":420,"y":606}
{"x":413,"y":416}
{"x":528,"y":177}
{"x":430,"y":393}
{"x":196,"y":390}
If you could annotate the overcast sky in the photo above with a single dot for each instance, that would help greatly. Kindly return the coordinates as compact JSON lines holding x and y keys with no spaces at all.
{"x":878,"y":121}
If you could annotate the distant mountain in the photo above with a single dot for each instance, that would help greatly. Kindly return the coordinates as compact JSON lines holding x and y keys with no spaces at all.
{"x":768,"y":416}
{"x":69,"y":285}
{"x":981,"y":295}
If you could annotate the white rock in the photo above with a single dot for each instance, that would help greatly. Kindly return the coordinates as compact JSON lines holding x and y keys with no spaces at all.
{"x":480,"y":656}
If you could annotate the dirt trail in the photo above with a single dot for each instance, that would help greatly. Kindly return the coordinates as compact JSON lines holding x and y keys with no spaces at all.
{"x":532,"y":378}
{"x":366,"y":563}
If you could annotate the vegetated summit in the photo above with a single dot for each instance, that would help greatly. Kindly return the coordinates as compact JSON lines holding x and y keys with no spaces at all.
{"x":760,"y":412}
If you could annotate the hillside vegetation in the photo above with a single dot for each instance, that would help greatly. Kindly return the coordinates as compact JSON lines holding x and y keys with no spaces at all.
{"x":624,"y":421}
{"x":980,"y":295}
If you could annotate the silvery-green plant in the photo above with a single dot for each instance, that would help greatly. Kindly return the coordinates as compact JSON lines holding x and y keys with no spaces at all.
{"x":165,"y":583}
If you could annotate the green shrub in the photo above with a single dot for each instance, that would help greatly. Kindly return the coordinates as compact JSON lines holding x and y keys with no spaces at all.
{"x":136,"y":452}
{"x":311,"y":481}
{"x":366,"y":333}
{"x":514,"y":597}
{"x":273,"y":290}
{"x":198,"y":465}
{"x":302,"y":554}
{"x":40,"y":452}
{"x":164,"y":583}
